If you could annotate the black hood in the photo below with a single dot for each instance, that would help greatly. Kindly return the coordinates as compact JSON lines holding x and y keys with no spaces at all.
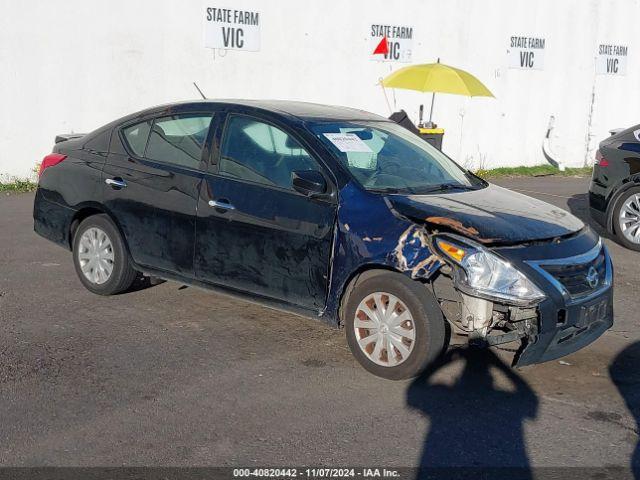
{"x":492,"y":215}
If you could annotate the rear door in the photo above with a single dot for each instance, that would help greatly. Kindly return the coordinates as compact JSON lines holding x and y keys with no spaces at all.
{"x":255,"y":233}
{"x":152,"y":179}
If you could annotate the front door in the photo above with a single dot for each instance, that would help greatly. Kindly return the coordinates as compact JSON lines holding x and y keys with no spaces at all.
{"x":254,"y":232}
{"x":152,"y":181}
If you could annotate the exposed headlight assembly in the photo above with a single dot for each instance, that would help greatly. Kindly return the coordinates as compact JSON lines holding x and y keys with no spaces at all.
{"x":481,"y":273}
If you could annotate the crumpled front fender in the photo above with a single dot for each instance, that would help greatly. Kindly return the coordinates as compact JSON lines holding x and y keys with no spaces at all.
{"x":370,"y":234}
{"x":414,"y":253}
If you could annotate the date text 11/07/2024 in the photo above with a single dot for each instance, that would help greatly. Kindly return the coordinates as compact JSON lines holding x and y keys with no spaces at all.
{"x":316,"y":472}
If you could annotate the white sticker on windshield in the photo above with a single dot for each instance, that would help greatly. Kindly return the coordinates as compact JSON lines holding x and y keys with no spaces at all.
{"x":637,"y":134}
{"x":348,"y":142}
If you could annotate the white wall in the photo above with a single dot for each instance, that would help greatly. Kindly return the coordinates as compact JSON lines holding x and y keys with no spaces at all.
{"x":73,"y":65}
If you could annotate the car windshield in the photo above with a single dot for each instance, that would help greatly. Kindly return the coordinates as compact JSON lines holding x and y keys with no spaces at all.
{"x":385,"y":157}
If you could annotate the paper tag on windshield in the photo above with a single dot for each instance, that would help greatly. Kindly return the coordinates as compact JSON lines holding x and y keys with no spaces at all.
{"x":348,"y":142}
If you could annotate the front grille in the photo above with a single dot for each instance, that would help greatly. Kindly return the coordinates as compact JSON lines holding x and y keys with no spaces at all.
{"x":574,"y":277}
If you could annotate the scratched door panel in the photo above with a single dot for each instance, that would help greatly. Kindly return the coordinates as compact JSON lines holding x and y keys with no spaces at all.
{"x":156,"y":211}
{"x":275,"y":243}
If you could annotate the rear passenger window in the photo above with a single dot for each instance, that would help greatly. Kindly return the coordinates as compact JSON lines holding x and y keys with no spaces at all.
{"x":178,"y":139}
{"x":136,"y":137}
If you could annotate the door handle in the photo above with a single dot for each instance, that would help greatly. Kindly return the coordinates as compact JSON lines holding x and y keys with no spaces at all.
{"x":116,"y":183}
{"x":223,"y":204}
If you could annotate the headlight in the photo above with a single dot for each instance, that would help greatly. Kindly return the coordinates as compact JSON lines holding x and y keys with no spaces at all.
{"x":484,"y":274}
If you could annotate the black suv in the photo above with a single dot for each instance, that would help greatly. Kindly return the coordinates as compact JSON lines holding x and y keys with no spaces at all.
{"x":331,"y":213}
{"x":614,"y":195}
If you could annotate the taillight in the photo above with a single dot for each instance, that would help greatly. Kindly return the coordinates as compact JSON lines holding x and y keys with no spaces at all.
{"x":600,"y":160}
{"x":50,"y":160}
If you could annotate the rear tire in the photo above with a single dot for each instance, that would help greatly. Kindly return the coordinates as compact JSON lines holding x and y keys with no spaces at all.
{"x":100,"y":257}
{"x":398,"y":343}
{"x":625,"y":228}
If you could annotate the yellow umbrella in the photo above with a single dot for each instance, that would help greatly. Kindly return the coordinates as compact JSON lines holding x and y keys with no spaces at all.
{"x":437,"y":77}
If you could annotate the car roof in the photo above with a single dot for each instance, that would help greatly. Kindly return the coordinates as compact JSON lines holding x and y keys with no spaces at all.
{"x":308,"y":110}
{"x":293,"y":110}
{"x":288,"y":108}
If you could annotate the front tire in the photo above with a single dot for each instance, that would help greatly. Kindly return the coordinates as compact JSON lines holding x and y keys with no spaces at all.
{"x":100,"y":257}
{"x":626,"y":219}
{"x":394,"y":326}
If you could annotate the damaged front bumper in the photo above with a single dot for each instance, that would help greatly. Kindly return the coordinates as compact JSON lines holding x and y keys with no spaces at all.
{"x":581,"y":324}
{"x":572,"y":320}
{"x":577,"y":309}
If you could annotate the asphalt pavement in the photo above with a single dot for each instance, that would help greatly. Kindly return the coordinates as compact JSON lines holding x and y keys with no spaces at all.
{"x":174,"y":375}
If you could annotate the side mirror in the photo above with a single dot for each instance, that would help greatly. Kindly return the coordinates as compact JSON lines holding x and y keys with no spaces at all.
{"x":308,"y":182}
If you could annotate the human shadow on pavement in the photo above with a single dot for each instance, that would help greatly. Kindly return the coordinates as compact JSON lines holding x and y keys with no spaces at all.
{"x":475,"y":425}
{"x":625,"y":374}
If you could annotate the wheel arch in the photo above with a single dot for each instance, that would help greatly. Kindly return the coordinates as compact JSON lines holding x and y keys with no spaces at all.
{"x":362,"y":273}
{"x":88,"y":210}
{"x":627,"y":185}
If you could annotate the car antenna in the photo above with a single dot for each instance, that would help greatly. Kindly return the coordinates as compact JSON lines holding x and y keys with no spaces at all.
{"x":199,"y":91}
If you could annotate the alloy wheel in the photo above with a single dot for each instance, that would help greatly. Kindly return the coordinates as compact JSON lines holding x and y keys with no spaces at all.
{"x":629,"y":218}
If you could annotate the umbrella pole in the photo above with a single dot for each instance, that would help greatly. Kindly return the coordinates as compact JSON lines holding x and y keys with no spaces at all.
{"x":433,"y":97}
{"x":385,"y":96}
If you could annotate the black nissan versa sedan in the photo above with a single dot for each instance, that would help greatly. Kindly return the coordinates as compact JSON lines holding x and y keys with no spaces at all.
{"x":614,"y":194}
{"x":331,"y":213}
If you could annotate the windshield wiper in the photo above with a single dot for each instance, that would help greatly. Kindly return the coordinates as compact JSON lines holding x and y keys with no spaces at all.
{"x":385,"y":190}
{"x":443,"y":187}
{"x":417,"y":191}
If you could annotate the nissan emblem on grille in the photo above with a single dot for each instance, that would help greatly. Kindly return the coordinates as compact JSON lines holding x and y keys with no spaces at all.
{"x":579,"y":276}
{"x":592,"y":277}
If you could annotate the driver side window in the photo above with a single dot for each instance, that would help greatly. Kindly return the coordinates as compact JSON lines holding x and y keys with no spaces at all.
{"x":259,"y":152}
